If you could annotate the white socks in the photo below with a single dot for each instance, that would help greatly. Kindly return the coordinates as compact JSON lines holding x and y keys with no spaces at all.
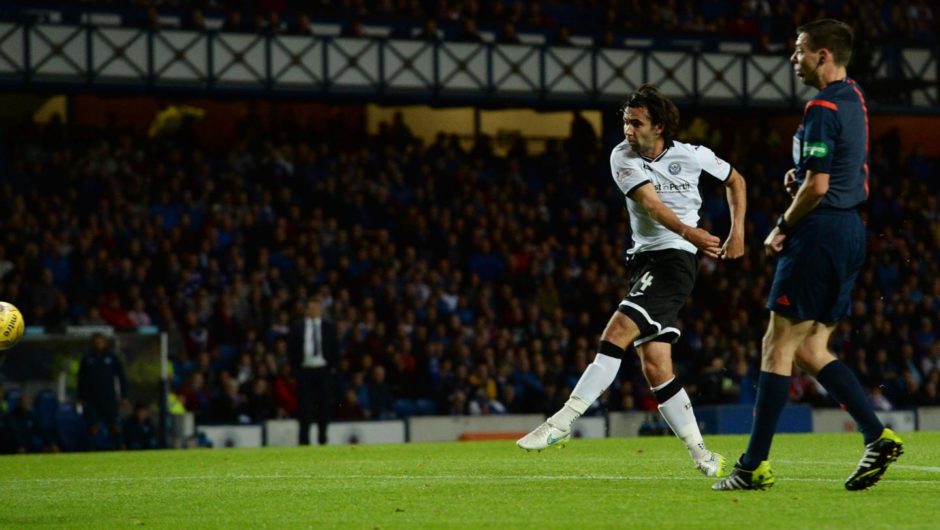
{"x":594,"y":381}
{"x":572,"y":410}
{"x":677,"y":411}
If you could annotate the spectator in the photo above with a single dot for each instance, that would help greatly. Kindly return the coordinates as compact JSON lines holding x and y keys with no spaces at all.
{"x":259,"y":405}
{"x":930,"y":391}
{"x":274,"y":24}
{"x":102,"y":387}
{"x":562,"y":37}
{"x":381,"y":400}
{"x":429,"y":31}
{"x":259,"y":24}
{"x":608,"y":39}
{"x":138,"y":314}
{"x":469,"y":32}
{"x":19,"y":429}
{"x":44,"y":298}
{"x":348,"y":408}
{"x":195,"y":20}
{"x":303,"y":26}
{"x":139,"y":431}
{"x":228,"y":404}
{"x":234,"y":22}
{"x":354,"y":30}
{"x":285,"y":392}
{"x":196,"y":397}
{"x":879,"y":401}
{"x":508,"y":35}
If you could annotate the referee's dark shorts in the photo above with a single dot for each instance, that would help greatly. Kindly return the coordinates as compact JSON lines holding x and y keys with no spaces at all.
{"x":816,"y":271}
{"x":660,"y":282}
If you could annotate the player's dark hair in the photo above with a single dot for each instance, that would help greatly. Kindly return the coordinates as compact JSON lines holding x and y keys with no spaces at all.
{"x":662,"y":111}
{"x":833,"y":35}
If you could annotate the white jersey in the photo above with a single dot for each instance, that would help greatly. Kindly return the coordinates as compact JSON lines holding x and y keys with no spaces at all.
{"x":675,"y":175}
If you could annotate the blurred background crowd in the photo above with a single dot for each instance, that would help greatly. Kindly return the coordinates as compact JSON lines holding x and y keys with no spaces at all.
{"x":465,"y":276}
{"x":462,"y":281}
{"x":767,"y":24}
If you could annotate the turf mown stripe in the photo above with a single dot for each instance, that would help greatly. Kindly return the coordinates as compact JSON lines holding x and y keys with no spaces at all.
{"x":444,"y":478}
{"x":619,"y":483}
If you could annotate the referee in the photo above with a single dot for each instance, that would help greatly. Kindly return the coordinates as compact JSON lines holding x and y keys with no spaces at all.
{"x":820,"y":244}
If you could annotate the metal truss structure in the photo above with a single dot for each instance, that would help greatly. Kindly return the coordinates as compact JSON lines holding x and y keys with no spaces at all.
{"x":86,"y":58}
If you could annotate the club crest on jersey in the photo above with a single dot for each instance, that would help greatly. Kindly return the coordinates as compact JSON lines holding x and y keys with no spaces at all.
{"x":674,"y":168}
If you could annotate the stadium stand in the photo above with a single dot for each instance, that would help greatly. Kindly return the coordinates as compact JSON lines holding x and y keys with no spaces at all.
{"x":463,"y":281}
{"x":762,"y":25}
{"x":476,"y":282}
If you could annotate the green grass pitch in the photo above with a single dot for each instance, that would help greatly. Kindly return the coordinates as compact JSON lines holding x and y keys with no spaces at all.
{"x":614,"y":483}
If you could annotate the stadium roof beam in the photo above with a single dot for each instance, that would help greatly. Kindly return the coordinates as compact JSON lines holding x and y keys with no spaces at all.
{"x":83,"y":58}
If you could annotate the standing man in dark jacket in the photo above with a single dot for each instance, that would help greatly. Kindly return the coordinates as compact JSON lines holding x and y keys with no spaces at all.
{"x":313,"y":347}
{"x":102,"y":386}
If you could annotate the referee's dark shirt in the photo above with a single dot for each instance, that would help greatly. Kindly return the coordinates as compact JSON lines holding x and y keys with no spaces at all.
{"x":833,"y":138}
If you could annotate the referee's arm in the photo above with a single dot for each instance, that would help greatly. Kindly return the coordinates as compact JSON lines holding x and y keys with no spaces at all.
{"x":808,"y":197}
{"x":646,"y":196}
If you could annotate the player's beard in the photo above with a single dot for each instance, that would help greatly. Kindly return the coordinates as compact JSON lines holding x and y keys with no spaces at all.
{"x":641,"y":148}
{"x":638,"y":146}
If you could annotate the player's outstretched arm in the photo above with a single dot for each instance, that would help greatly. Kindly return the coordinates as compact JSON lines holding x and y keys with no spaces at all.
{"x":737,"y":203}
{"x":647,"y":197}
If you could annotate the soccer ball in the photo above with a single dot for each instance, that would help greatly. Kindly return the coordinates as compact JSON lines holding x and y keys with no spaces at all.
{"x":11,"y":325}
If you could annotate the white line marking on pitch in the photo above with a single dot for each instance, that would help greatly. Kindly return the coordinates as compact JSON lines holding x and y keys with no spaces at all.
{"x":455,"y":478}
{"x":929,"y":469}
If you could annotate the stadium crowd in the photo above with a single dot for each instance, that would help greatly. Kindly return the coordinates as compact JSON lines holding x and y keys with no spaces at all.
{"x":763,"y":22}
{"x":461,"y":281}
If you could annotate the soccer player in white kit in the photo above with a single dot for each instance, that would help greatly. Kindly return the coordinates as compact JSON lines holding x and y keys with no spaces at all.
{"x":658,"y":177}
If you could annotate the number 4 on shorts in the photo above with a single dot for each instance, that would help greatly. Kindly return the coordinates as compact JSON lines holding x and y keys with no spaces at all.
{"x":641,"y":285}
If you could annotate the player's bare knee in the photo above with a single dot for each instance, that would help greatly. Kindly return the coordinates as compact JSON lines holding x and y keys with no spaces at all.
{"x":656,"y":374}
{"x":620,"y":330}
{"x":656,"y":362}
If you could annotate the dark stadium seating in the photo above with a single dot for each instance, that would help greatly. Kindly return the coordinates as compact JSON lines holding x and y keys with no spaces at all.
{"x":71,"y":429}
{"x":45,"y":408}
{"x":479,"y":286}
{"x":478,"y":279}
{"x":766,"y":25}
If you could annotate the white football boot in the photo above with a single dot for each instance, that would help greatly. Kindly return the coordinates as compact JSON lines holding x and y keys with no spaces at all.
{"x":544,"y":436}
